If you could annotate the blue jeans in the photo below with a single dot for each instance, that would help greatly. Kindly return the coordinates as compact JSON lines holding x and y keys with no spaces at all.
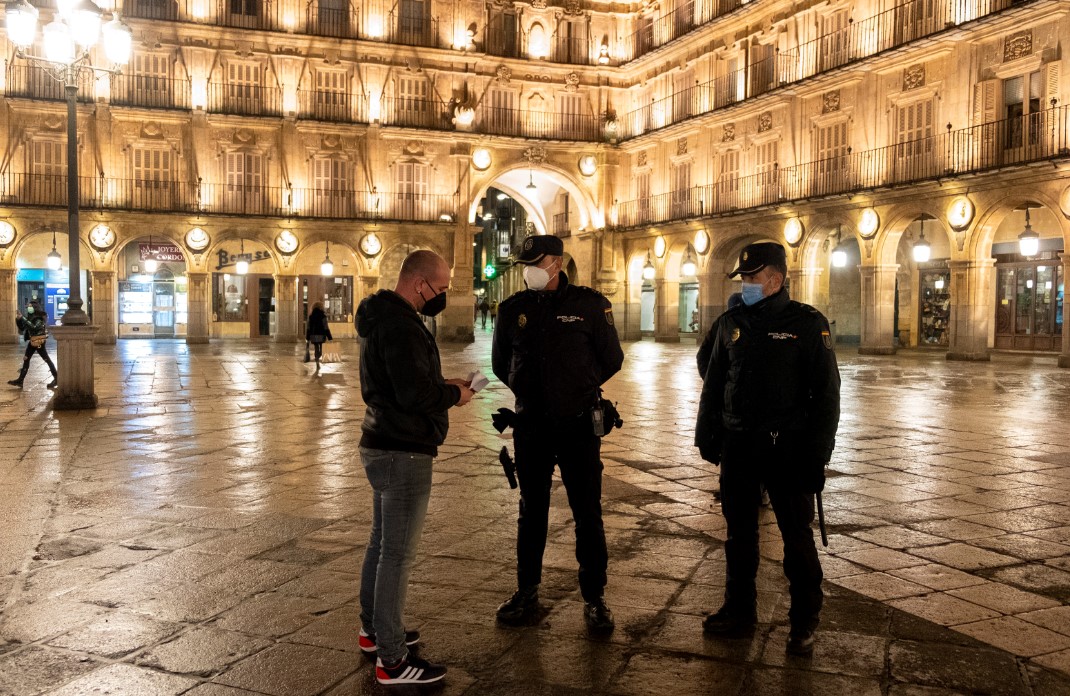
{"x":401,"y":485}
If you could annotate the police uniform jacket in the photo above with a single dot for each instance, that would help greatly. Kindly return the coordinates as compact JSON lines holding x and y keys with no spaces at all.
{"x":771,"y":370}
{"x":554,"y":349}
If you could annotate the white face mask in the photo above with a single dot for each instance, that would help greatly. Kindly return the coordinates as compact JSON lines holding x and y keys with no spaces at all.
{"x":536,"y":278}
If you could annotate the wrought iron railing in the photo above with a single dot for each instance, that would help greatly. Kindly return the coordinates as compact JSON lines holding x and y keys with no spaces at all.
{"x":415,"y":113}
{"x":1034,"y":137}
{"x":150,"y":91}
{"x":242,"y":99}
{"x":561,"y":227}
{"x":339,"y":107}
{"x":547,"y":125}
{"x":35,"y":82}
{"x":889,"y":29}
{"x":225,"y":199}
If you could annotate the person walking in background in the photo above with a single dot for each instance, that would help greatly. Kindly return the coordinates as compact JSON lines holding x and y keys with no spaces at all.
{"x":317,"y":330}
{"x":484,"y":307}
{"x":555,"y":346}
{"x":405,"y":421}
{"x":493,"y":312}
{"x":34,"y":329}
{"x":768,"y":414}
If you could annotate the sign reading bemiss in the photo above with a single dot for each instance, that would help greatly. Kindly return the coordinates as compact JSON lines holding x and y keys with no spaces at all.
{"x":227,"y":259}
{"x":165,"y":253}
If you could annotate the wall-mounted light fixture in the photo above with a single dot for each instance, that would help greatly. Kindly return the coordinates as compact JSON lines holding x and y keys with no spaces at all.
{"x":242,"y":266}
{"x":53,"y":260}
{"x":327,"y":268}
{"x":1028,"y":240}
{"x":688,"y":267}
{"x":839,"y":252}
{"x":648,"y":268}
{"x":922,"y":251}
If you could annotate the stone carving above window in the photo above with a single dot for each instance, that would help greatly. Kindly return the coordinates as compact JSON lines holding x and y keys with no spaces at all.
{"x":765,"y":121}
{"x":913,"y":77}
{"x":572,"y":7}
{"x":681,"y":146}
{"x":538,"y":4}
{"x":729,"y":133}
{"x":1018,"y":45}
{"x":830,"y":102}
{"x":503,"y":74}
{"x":535,"y":155}
{"x":572,"y":82}
{"x":641,"y":159}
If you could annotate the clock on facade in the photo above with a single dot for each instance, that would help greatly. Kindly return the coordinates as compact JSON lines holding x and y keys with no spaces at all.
{"x":868,"y":223}
{"x":588,"y":165}
{"x":793,"y":231}
{"x":960,"y":214}
{"x":7,"y":234}
{"x":286,"y":242}
{"x":102,"y":237}
{"x":370,"y":244}
{"x":197,"y":239}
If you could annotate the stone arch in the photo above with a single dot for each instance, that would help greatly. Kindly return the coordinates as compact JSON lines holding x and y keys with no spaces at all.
{"x":236,"y":237}
{"x":987,"y":222}
{"x":590,"y":214}
{"x":310,"y":241}
{"x":900,"y":218}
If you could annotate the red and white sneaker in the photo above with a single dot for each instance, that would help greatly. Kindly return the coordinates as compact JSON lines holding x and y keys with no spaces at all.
{"x":367,"y":644}
{"x":410,"y":670}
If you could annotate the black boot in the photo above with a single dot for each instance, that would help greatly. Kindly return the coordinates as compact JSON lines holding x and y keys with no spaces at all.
{"x":598,"y":617}
{"x":15,"y":382}
{"x":53,"y":383}
{"x":730,"y":621}
{"x":520,"y":606}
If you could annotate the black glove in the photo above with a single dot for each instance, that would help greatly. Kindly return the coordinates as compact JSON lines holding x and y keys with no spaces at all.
{"x":813,"y":476}
{"x":503,"y":419}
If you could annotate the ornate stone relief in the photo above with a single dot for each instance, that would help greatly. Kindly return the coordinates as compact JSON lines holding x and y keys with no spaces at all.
{"x":572,"y":7}
{"x":913,"y":77}
{"x":641,"y":159}
{"x":503,"y":74}
{"x":572,"y":82}
{"x":538,"y":4}
{"x":681,"y":146}
{"x":830,"y":102}
{"x":729,"y":133}
{"x":535,"y":155}
{"x":765,"y":121}
{"x":1018,"y":45}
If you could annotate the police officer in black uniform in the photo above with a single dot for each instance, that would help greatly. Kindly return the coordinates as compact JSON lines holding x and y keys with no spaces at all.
{"x":768,"y":415}
{"x":554,"y":346}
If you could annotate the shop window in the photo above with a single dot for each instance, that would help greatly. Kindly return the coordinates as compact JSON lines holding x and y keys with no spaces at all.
{"x":335,"y":294}
{"x":1029,"y":302}
{"x":229,"y":301}
{"x":935,"y":309}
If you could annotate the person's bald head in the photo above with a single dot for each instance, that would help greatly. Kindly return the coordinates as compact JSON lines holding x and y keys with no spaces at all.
{"x":423,"y":275}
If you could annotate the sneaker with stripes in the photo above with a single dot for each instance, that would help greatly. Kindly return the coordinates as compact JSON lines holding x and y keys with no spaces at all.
{"x":410,"y":670}
{"x":367,"y":644}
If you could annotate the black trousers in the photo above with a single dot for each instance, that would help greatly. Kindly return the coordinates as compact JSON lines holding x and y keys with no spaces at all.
{"x":750,"y":460}
{"x":572,"y":446}
{"x":30,"y":350}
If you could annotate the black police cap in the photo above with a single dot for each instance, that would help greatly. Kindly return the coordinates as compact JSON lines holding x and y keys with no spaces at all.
{"x":536,"y":246}
{"x":755,"y":257}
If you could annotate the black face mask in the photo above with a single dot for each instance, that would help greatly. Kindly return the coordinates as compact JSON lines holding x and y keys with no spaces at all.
{"x":434,"y":306}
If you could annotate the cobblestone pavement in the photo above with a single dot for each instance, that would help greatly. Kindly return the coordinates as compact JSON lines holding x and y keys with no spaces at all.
{"x":201,"y":533}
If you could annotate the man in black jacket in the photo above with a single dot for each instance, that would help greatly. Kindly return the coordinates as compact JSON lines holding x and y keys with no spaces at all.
{"x":768,"y":415}
{"x":554,"y":346}
{"x":405,"y":421}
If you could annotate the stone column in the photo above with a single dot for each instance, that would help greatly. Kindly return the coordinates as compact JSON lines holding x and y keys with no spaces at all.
{"x":198,"y":298}
{"x":457,"y":323}
{"x":1064,"y":357}
{"x":74,"y":362}
{"x":971,"y":309}
{"x":666,"y":311}
{"x":9,"y":332}
{"x":878,"y":309}
{"x":287,"y":321}
{"x":369,"y":284}
{"x":105,"y":304}
{"x":806,"y":287}
{"x":713,"y":292}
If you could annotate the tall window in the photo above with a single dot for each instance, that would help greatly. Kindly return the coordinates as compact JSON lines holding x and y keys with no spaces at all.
{"x":412,"y":186}
{"x":414,"y":21}
{"x":149,"y":82}
{"x":765,"y":162}
{"x":413,"y":102}
{"x":760,"y":69}
{"x":728,"y":180}
{"x":832,"y":51}
{"x":681,"y":190}
{"x":570,"y":115}
{"x":244,"y":190}
{"x":830,"y":151}
{"x":48,"y":167}
{"x":244,"y":90}
{"x":249,"y":8}
{"x":1021,"y":98}
{"x":153,"y":177}
{"x":333,"y":16}
{"x":642,"y":195}
{"x":331,"y":100}
{"x":683,"y":101}
{"x":570,"y":42}
{"x":501,"y":36}
{"x":331,"y":193}
{"x":727,"y":88}
{"x":914,"y":131}
{"x":501,"y":111}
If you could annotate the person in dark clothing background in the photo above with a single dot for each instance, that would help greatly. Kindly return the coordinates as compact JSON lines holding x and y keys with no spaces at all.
{"x":317,"y":330}
{"x":34,"y":328}
{"x":768,"y":414}
{"x":554,"y":346}
{"x":405,"y":421}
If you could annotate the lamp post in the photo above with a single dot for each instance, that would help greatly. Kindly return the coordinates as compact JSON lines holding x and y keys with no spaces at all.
{"x":66,"y":43}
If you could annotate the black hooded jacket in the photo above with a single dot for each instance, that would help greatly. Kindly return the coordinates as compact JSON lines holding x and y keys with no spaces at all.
{"x":771,"y":369}
{"x":318,"y":326}
{"x":401,"y":380}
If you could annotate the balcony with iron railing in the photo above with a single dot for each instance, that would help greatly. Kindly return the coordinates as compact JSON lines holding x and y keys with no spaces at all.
{"x":334,"y":106}
{"x":408,"y":112}
{"x":241,"y":99}
{"x":49,"y":190}
{"x":150,"y":91}
{"x":1036,"y":137}
{"x":546,"y":125}
{"x":561,"y":227}
{"x":882,"y":32}
{"x":35,"y":82}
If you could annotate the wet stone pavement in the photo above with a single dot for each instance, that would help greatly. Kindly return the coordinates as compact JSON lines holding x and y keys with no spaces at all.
{"x":201,"y":534}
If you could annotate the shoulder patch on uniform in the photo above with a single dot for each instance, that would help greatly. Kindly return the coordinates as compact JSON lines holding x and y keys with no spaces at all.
{"x":522,"y":321}
{"x":826,"y":338}
{"x":735,"y":334}
{"x":609,"y":316}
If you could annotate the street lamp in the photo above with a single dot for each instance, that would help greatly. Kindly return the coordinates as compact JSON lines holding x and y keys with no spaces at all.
{"x":53,"y":260}
{"x":327,"y":267}
{"x":648,"y":268}
{"x":66,"y":43}
{"x":922,"y":250}
{"x":1028,"y":240}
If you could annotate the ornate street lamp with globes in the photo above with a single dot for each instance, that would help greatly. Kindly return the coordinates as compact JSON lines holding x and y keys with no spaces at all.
{"x":66,"y":43}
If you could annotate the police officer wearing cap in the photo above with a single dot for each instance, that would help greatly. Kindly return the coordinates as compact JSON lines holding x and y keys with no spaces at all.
{"x":768,"y":415}
{"x":554,"y":346}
